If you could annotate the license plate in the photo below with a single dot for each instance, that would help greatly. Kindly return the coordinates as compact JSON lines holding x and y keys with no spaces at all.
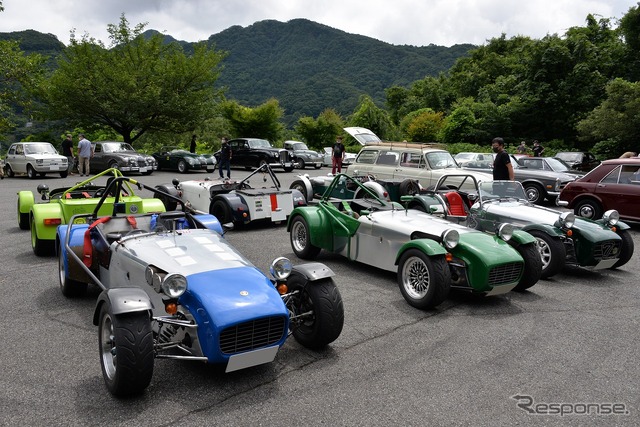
{"x":251,"y":358}
{"x":143,"y":170}
{"x":54,"y":168}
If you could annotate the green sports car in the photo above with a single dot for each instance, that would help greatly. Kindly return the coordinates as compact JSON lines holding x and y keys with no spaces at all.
{"x":429,"y":254}
{"x":60,"y":204}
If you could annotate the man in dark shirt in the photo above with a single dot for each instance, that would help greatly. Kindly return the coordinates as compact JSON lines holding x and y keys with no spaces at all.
{"x":225,"y":158}
{"x":67,"y":151}
{"x":537,"y":149}
{"x":502,"y":167}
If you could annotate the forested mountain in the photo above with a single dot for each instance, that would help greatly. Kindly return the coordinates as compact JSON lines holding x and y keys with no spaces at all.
{"x":306,"y":66}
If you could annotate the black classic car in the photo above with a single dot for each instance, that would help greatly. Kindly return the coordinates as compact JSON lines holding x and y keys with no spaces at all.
{"x":172,"y":158}
{"x":254,"y":152}
{"x":302,"y":155}
{"x":579,"y":160}
{"x":120,"y":155}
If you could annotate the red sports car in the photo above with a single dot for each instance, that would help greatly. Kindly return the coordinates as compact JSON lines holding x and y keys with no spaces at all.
{"x":614,"y":184}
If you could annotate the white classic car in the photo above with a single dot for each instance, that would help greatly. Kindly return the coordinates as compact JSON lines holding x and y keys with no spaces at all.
{"x":35,"y":158}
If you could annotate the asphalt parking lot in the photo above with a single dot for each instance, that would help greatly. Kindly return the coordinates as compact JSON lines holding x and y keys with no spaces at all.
{"x":563,"y":353}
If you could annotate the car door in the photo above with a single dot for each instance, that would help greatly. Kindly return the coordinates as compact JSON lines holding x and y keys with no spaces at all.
{"x":620,"y":190}
{"x":98,"y":162}
{"x":19,"y":159}
{"x":411,"y":165}
{"x":239,"y":150}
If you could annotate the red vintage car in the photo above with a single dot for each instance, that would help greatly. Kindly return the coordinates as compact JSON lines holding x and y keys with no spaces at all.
{"x":614,"y":184}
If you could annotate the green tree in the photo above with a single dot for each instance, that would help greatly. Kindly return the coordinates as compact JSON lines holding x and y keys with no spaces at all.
{"x":630,"y":30}
{"x":616,"y":119}
{"x":459,"y":126}
{"x":422,"y":125}
{"x":136,"y":86}
{"x":368,"y":115}
{"x":321,"y":132}
{"x":262,"y":121}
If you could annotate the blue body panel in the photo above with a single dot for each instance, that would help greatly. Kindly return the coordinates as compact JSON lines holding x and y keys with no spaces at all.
{"x":214,"y":299}
{"x":210,"y":221}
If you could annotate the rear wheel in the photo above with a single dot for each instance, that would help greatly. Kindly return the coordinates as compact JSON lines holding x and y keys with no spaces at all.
{"x":532,"y":266}
{"x":317,"y":311}
{"x":409,"y":187}
{"x":23,"y":219}
{"x":299,"y":185}
{"x":626,"y":251}
{"x":424,"y":282}
{"x":300,"y":237}
{"x":69,"y":287}
{"x":40,"y":247}
{"x":552,"y":253}
{"x":588,"y":208}
{"x":126,"y":351}
{"x":169,"y":203}
{"x":534,"y":193}
{"x":221,"y":210}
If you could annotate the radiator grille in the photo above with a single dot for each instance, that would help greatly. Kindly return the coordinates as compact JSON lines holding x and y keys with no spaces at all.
{"x":607,"y":249}
{"x":284,"y":157}
{"x":252,"y":335}
{"x":506,"y":273}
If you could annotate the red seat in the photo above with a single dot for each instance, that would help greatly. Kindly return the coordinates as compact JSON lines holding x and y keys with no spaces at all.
{"x":456,"y":204}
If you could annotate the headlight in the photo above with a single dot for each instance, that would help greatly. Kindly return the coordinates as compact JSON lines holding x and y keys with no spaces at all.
{"x":567,"y":219}
{"x":133,"y":161}
{"x":174,"y":285}
{"x":190,"y":160}
{"x":611,"y":217}
{"x":280,"y":268}
{"x":39,"y":161}
{"x":505,"y":232}
{"x":450,"y":239}
{"x":276,"y":155}
{"x":557,"y":187}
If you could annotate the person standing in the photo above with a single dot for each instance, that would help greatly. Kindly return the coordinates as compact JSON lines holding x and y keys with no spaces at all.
{"x":67,"y":151}
{"x":225,"y":158}
{"x":337,"y":156}
{"x":537,"y":149}
{"x":502,"y":167}
{"x":192,"y":147}
{"x":85,"y":153}
{"x":522,"y":148}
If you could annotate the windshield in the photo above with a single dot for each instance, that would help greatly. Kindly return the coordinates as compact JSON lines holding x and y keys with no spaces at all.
{"x":113,"y":147}
{"x":441,"y":160}
{"x":558,"y":165}
{"x":570,"y":157}
{"x":40,"y":148}
{"x":464,"y":156}
{"x":300,"y":146}
{"x":501,"y":189}
{"x":259,"y":143}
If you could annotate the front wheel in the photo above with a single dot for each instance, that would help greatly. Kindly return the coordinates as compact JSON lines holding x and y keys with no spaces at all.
{"x":626,"y":251}
{"x":182,"y":166}
{"x":300,"y":237}
{"x":300,"y":164}
{"x":532,"y":266}
{"x":31,"y":172}
{"x":69,"y":287}
{"x":424,"y":282}
{"x":114,"y":165}
{"x":23,"y":218}
{"x":552,"y":253}
{"x":126,"y":351}
{"x":317,"y":312}
{"x":9,"y":172}
{"x":299,"y":185}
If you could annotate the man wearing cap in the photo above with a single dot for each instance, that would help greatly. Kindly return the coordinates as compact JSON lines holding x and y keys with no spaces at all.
{"x":337,"y":156}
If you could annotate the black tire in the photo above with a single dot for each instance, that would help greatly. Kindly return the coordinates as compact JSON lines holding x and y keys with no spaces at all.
{"x":627,"y":249}
{"x":64,"y":174}
{"x":322,"y":300}
{"x":424,"y":282}
{"x":317,"y":166}
{"x":534,"y":192}
{"x":300,"y":164}
{"x":31,"y":172}
{"x":288,"y":169}
{"x":588,"y":208}
{"x":147,"y":173}
{"x":169,"y":204}
{"x":261,"y":163}
{"x":23,"y":219}
{"x":552,"y":253}
{"x":532,"y":266}
{"x":182,"y":166}
{"x":40,"y":247}
{"x":9,"y":172}
{"x":409,"y":187}
{"x":70,"y":288}
{"x":300,"y":237}
{"x":221,"y":210}
{"x":126,"y":351}
{"x":299,"y":185}
{"x":113,"y":164}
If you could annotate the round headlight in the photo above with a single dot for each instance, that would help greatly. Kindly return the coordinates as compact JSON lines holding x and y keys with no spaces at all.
{"x":174,"y":285}
{"x":567,"y":219}
{"x":450,"y":239}
{"x":148,"y":275}
{"x":611,"y":217}
{"x":280,"y":268}
{"x":505,"y":232}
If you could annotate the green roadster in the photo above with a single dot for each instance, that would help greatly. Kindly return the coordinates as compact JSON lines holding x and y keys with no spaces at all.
{"x":60,"y":204}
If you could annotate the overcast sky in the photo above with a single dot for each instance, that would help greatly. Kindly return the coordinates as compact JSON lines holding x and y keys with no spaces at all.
{"x":411,"y":22}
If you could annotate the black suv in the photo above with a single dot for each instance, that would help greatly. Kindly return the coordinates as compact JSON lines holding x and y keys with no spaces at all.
{"x":254,"y":152}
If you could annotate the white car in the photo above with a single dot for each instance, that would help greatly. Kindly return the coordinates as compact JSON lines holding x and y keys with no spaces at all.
{"x":35,"y":158}
{"x":326,"y":160}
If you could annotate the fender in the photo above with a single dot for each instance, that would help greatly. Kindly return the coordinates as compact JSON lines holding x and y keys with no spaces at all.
{"x":313,"y":271}
{"x":521,"y":237}
{"x":298,"y":198}
{"x":579,"y":197}
{"x":426,"y":201}
{"x":619,"y":226}
{"x":546,"y":228}
{"x":76,"y":242}
{"x":122,"y":300}
{"x":26,"y":199}
{"x":209,"y":221}
{"x":42,"y":211}
{"x":317,"y":221}
{"x":376,"y":189}
{"x":307,"y":185}
{"x":152,"y":205}
{"x":428,"y":246}
{"x":237,"y":205}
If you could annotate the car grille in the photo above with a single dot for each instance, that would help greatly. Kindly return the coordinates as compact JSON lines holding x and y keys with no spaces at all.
{"x":284,"y":157}
{"x":253,"y":334}
{"x":506,"y":273}
{"x":607,"y":249}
